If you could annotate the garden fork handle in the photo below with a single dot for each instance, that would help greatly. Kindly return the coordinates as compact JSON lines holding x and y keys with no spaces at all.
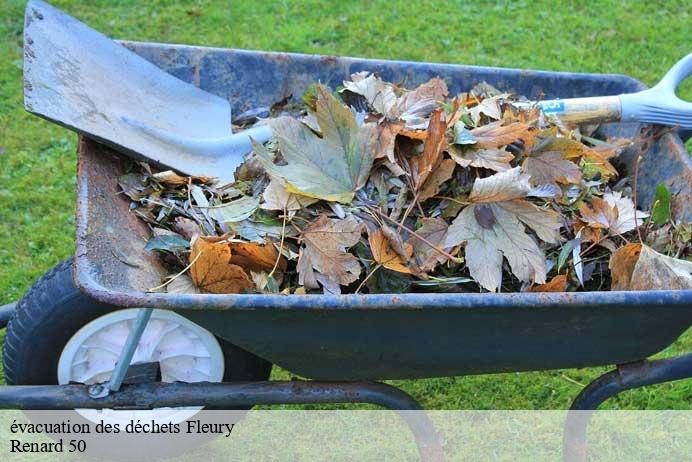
{"x":657,"y":105}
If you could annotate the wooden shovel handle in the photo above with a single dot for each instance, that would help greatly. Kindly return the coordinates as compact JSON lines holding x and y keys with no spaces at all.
{"x":597,"y":109}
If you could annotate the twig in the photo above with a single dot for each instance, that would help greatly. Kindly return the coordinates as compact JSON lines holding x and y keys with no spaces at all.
{"x":418,"y":236}
{"x":366,"y":278}
{"x":153,"y":289}
{"x":634,"y":196}
{"x":281,"y":245}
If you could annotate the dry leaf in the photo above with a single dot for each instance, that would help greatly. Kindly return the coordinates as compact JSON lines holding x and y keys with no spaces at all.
{"x":503,"y":186}
{"x":433,"y":230}
{"x":639,"y":267}
{"x":182,"y":284}
{"x":256,"y":257}
{"x":493,"y":227}
{"x":325,"y":243}
{"x":234,"y":211}
{"x":169,"y":177}
{"x":613,"y":213}
{"x":386,"y":137}
{"x":493,"y":159}
{"x":431,"y":157}
{"x":412,"y":107}
{"x":494,"y":135}
{"x":489,"y":106}
{"x":276,"y":197}
{"x":385,"y":255}
{"x":550,"y":167}
{"x":186,"y":227}
{"x":556,"y":284}
{"x":332,"y":167}
{"x":379,"y":94}
{"x":622,"y":263}
{"x":212,"y":270}
{"x":596,"y":160}
{"x":432,"y":184}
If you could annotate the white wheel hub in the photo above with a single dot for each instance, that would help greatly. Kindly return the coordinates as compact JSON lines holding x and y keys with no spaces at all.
{"x":185,"y":351}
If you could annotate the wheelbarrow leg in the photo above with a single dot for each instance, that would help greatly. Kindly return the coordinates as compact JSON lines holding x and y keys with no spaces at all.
{"x":230,"y":395}
{"x":128,"y":351}
{"x":624,"y":377}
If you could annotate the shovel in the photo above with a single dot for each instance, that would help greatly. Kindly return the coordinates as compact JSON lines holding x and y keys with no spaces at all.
{"x":81,"y":79}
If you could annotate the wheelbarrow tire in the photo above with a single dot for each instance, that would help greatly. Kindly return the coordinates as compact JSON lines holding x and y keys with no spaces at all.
{"x":53,"y":310}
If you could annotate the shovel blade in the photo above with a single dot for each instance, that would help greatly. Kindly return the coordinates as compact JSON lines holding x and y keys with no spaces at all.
{"x":81,"y":79}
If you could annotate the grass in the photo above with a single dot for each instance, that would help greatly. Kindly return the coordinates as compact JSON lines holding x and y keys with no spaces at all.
{"x":638,"y":38}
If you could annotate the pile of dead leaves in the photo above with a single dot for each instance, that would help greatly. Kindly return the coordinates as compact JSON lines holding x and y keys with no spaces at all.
{"x":379,"y":189}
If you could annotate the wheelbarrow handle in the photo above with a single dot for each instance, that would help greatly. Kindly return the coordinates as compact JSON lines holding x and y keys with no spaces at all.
{"x":658,"y":105}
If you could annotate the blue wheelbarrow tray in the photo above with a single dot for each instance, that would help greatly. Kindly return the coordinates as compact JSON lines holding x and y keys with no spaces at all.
{"x":386,"y":336}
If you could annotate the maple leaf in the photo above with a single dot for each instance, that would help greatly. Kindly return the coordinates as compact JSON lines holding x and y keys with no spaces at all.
{"x":494,"y":135}
{"x":212,"y":270}
{"x":332,"y":167}
{"x":493,"y":227}
{"x":276,"y":197}
{"x":253,"y":257}
{"x":556,"y":284}
{"x":487,"y":139}
{"x":639,"y":267}
{"x":433,"y":230}
{"x":384,"y":255}
{"x":614,"y":213}
{"x":548,"y":161}
{"x":493,"y":159}
{"x":412,"y":107}
{"x":595,"y":160}
{"x":324,"y":252}
{"x":379,"y":94}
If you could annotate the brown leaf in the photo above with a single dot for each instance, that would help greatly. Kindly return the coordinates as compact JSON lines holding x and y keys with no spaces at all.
{"x":325,"y":243}
{"x":432,"y":184}
{"x":493,"y":159}
{"x":556,"y":284}
{"x":486,"y":247}
{"x":493,"y":227}
{"x":639,"y":267}
{"x":550,"y":167}
{"x":386,"y":137}
{"x":434,"y":230}
{"x":622,"y":264}
{"x":384,"y":255}
{"x":186,"y":227}
{"x":596,"y":160}
{"x":503,"y":186}
{"x":169,"y":177}
{"x":212,"y":270}
{"x":432,"y":150}
{"x":494,"y":135}
{"x":421,"y":135}
{"x":256,"y":257}
{"x":614,"y":213}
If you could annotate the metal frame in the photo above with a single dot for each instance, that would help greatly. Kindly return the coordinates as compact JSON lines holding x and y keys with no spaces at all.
{"x":624,"y":377}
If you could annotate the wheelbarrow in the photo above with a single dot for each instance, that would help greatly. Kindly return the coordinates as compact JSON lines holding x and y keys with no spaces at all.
{"x":223,"y":346}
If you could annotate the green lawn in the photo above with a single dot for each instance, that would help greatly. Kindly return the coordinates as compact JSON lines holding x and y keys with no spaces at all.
{"x":638,"y":38}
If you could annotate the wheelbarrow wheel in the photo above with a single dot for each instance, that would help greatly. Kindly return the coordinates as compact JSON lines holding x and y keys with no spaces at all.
{"x":53,"y":318}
